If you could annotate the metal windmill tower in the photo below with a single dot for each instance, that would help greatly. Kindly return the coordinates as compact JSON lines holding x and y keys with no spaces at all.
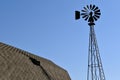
{"x":95,"y":69}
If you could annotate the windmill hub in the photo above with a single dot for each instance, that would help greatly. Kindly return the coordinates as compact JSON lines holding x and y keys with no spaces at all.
{"x":91,"y":13}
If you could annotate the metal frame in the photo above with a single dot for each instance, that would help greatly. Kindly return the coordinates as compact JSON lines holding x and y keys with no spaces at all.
{"x":95,"y":68}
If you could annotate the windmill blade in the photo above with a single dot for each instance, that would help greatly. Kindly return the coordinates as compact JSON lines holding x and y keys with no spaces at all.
{"x":83,"y":10}
{"x":94,"y":18}
{"x":97,"y":11}
{"x":97,"y":16}
{"x":83,"y":13}
{"x":96,"y":8}
{"x":93,"y":7}
{"x":88,"y":7}
{"x":84,"y":16}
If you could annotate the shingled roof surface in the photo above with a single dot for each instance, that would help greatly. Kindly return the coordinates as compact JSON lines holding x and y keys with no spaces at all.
{"x":16,"y":64}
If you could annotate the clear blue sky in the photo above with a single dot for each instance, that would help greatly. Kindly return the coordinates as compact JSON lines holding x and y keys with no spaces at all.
{"x":47,"y":28}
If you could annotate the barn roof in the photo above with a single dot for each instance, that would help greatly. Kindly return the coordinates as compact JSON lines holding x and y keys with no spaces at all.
{"x":17,"y":64}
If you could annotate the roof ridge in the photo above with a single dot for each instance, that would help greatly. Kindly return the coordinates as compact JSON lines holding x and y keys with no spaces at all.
{"x":8,"y":47}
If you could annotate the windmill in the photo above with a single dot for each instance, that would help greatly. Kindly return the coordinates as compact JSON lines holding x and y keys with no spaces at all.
{"x":91,"y":13}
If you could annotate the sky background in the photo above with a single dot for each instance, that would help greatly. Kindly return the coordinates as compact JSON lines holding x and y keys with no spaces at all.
{"x":47,"y":28}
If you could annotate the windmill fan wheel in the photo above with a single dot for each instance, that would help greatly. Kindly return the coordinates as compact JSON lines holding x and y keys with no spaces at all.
{"x":90,"y":13}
